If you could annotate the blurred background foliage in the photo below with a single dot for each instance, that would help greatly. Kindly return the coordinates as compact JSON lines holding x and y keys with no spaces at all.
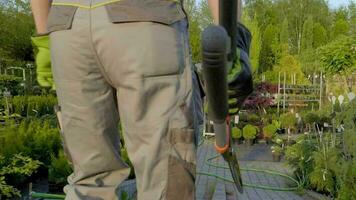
{"x":301,"y":37}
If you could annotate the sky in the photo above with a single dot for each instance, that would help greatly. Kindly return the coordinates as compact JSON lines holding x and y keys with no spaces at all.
{"x":333,"y":3}
{"x":338,"y":3}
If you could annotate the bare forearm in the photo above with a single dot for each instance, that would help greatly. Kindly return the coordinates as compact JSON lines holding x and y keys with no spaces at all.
{"x":40,"y":10}
{"x":214,"y":8}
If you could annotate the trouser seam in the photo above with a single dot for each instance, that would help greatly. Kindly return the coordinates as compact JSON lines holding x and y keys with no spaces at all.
{"x":95,"y":54}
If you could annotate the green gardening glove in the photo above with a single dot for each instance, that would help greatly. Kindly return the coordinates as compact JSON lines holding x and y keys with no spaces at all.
{"x":43,"y":61}
{"x":240,"y":75}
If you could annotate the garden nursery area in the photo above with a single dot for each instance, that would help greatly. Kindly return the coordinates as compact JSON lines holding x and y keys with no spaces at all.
{"x":299,"y":123}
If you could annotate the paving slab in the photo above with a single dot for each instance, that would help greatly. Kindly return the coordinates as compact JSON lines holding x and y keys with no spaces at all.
{"x":257,"y":156}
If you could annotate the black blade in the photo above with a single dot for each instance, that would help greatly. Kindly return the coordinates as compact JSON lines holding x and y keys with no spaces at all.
{"x":231,"y":158}
{"x":236,"y":174}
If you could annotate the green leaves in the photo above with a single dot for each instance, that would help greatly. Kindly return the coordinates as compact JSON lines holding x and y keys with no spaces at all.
{"x":323,"y":175}
{"x":299,"y":157}
{"x":236,"y":133}
{"x":249,"y":131}
{"x":320,"y":36}
{"x":326,"y":161}
{"x":269,"y":130}
{"x":20,"y":164}
{"x":28,"y":106}
{"x":17,"y":165}
{"x":32,"y":137}
{"x":8,"y":190}
{"x":288,"y":120}
{"x":199,"y":18}
{"x":307,"y":35}
{"x":59,"y":169}
{"x":16,"y":29}
{"x":339,"y":56}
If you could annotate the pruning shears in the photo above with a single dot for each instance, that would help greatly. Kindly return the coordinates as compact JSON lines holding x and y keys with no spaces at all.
{"x":219,"y":53}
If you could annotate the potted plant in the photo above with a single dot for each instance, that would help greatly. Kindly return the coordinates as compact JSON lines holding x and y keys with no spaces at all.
{"x":288,"y":121}
{"x":236,"y":135}
{"x":310,"y":118}
{"x":278,"y":126}
{"x":277,"y":148}
{"x":277,"y":152}
{"x":268,"y":132}
{"x":249,"y":133}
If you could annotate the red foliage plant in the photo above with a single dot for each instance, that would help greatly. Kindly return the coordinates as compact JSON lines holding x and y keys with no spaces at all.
{"x":262,"y":96}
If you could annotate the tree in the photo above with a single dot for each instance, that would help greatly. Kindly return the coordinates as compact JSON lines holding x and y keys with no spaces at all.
{"x":297,"y":12}
{"x":352,"y":13}
{"x":289,"y":65}
{"x":307,"y":37}
{"x":341,"y":27}
{"x":284,"y":35}
{"x":17,"y":27}
{"x":262,"y":11}
{"x":267,"y":56}
{"x":309,"y":62}
{"x":252,"y":25}
{"x":341,"y":13}
{"x":320,"y":36}
{"x":339,"y":57}
{"x":199,"y":17}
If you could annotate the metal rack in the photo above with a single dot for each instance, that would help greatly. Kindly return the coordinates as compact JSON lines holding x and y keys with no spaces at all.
{"x":299,"y":95}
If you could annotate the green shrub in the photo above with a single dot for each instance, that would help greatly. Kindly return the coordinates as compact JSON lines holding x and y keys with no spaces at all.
{"x":327,"y":162}
{"x":11,"y":83}
{"x":249,"y":131}
{"x":311,"y":117}
{"x":243,"y":117}
{"x":38,"y":139}
{"x":269,"y":131}
{"x":348,"y":116}
{"x":253,"y":118}
{"x":278,"y":140}
{"x":236,"y":133}
{"x":300,"y":157}
{"x":276,"y":123}
{"x":324,"y":116}
{"x":346,"y":179}
{"x":322,"y":177}
{"x":350,"y":143}
{"x":59,"y":169}
{"x":15,"y":166}
{"x":288,"y":120}
{"x":32,"y":105}
{"x":276,"y":149}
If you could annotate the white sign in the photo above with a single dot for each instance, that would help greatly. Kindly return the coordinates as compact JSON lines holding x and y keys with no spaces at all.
{"x":236,"y":119}
{"x":333,"y":100}
{"x":341,"y":99}
{"x":351,"y":96}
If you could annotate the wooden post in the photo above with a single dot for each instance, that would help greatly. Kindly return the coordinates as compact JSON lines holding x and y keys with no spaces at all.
{"x":279,"y":92}
{"x":30,"y":190}
{"x":284,"y":90}
{"x":295,"y":78}
{"x":321,"y":89}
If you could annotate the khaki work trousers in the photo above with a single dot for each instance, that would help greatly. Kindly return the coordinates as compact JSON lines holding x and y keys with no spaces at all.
{"x":141,"y":72}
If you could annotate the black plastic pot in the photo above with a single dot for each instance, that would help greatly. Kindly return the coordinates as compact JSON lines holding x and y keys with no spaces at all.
{"x":276,"y":157}
{"x":249,"y":142}
{"x":281,"y":131}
